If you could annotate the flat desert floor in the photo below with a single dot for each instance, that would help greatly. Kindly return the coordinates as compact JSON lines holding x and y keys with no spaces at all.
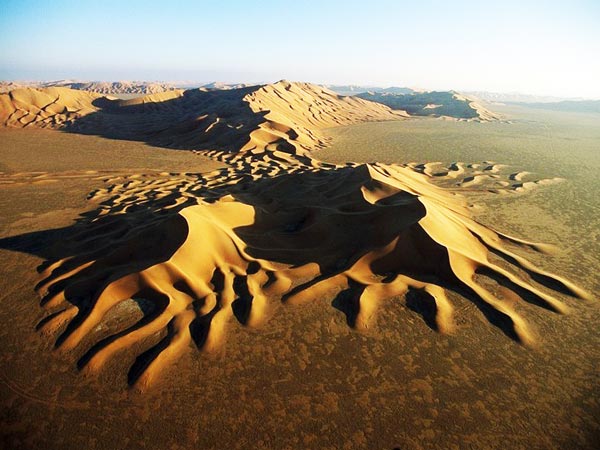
{"x":308,"y":380}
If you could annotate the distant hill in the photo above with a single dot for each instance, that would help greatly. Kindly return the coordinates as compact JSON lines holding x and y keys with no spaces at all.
{"x":354,"y":89}
{"x":224,"y":86}
{"x":540,"y":102}
{"x":397,"y":90}
{"x":99,"y":87}
{"x":7,"y":86}
{"x":116,"y":87}
{"x":435,"y":103}
{"x":513,"y":97}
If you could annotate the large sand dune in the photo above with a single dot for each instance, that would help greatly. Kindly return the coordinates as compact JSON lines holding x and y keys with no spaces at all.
{"x":251,"y":118}
{"x":200,"y":253}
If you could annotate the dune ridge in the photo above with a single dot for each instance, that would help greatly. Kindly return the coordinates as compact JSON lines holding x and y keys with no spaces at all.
{"x":196,"y":254}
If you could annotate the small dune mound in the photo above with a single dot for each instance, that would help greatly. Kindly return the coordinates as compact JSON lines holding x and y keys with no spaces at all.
{"x":203,"y":253}
{"x":481,"y":177}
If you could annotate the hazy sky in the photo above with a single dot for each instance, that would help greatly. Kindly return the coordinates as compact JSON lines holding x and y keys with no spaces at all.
{"x":538,"y":47}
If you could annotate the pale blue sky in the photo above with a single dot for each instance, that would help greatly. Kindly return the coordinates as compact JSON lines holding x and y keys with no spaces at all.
{"x":538,"y":47}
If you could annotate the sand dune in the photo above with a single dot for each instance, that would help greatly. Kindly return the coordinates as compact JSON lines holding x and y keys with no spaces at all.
{"x":208,"y":251}
{"x":300,"y":110}
{"x":246,"y":119}
{"x":200,"y":253}
{"x":446,"y":104}
{"x":220,"y":85}
{"x":7,"y":86}
{"x":483,"y":113}
{"x":114,"y":87}
{"x":485,"y":177}
{"x":45,"y":108}
{"x":99,"y":87}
